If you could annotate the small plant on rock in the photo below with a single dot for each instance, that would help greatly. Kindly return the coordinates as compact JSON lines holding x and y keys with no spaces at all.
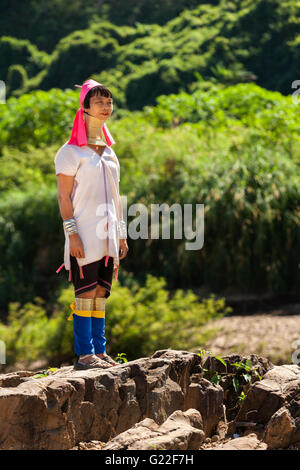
{"x":242,"y":372}
{"x":45,"y":373}
{"x":120,"y":358}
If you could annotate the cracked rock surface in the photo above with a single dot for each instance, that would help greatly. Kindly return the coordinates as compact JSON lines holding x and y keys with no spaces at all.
{"x":69,"y":406}
{"x":157,"y":402}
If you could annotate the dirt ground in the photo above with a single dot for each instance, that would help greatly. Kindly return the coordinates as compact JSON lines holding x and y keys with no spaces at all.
{"x":271,"y":335}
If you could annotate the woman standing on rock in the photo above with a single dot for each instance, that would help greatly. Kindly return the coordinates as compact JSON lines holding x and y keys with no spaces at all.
{"x":88,"y":175}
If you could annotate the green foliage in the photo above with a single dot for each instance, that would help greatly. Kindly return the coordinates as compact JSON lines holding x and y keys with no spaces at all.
{"x":138,"y":322}
{"x":24,"y":241}
{"x":242,"y":376}
{"x":29,"y":335}
{"x":139,"y":331}
{"x":16,"y":77}
{"x":38,"y":118}
{"x":75,"y":57}
{"x":269,"y":114}
{"x":20,"y":52}
{"x":241,"y":398}
{"x":27,"y":170}
{"x":42,"y":118}
{"x":216,"y":42}
{"x":45,"y":373}
{"x":121,"y":357}
{"x":45,"y":23}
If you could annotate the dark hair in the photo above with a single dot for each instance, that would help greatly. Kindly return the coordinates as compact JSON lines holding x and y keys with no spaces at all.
{"x":98,"y":90}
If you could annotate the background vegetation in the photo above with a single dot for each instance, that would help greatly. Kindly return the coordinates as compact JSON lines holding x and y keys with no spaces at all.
{"x":203,"y":115}
{"x":151,"y":47}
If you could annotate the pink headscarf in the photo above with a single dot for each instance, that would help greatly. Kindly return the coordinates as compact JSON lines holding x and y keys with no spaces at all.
{"x":79,"y":131}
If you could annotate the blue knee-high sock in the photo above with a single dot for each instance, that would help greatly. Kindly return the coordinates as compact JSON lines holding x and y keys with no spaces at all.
{"x":98,"y":334}
{"x":83,"y":341}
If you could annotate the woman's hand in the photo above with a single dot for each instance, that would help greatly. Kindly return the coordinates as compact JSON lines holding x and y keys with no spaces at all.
{"x":123,"y":248}
{"x":76,"y":246}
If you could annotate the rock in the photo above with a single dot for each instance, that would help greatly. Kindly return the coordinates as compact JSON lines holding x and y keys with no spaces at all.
{"x":222,"y":430}
{"x":275,"y":403}
{"x":13,"y":379}
{"x":92,"y":445}
{"x":182,"y":431}
{"x":250,"y":442}
{"x":280,"y":429}
{"x":69,"y":406}
{"x":208,"y":399}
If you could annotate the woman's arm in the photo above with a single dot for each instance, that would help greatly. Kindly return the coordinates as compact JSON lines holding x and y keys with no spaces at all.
{"x":65,"y":185}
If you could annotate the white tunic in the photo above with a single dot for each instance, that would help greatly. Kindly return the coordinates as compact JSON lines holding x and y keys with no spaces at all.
{"x":95,"y":199}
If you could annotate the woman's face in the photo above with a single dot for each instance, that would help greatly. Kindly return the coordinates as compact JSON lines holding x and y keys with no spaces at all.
{"x":101,"y":107}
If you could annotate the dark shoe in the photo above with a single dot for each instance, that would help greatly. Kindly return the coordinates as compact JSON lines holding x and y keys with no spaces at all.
{"x":109,"y":360}
{"x":94,"y":363}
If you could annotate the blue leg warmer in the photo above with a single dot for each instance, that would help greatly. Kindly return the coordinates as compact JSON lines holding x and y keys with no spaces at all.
{"x":83,"y":341}
{"x":98,"y":325}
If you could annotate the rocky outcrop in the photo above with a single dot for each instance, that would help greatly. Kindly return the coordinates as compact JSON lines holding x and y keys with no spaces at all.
{"x":158,"y":402}
{"x":69,"y":406}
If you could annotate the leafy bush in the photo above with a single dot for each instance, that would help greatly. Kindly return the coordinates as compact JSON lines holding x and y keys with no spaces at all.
{"x":223,"y":42}
{"x":78,"y":56}
{"x":28,"y":221}
{"x":16,"y":77}
{"x":43,"y":118}
{"x":253,"y":106}
{"x":45,"y":23}
{"x":20,"y":52}
{"x":148,"y":319}
{"x":138,"y":322}
{"x":30,"y":335}
{"x":38,"y":118}
{"x":27,"y":170}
